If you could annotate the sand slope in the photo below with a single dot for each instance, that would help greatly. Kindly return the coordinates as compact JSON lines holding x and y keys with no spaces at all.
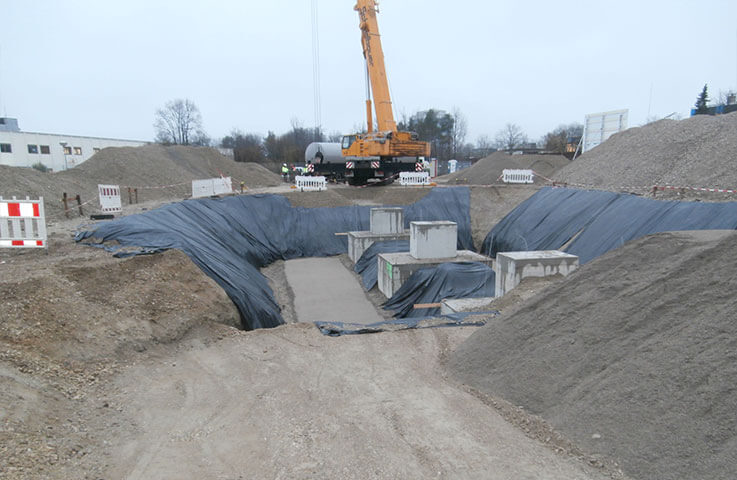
{"x":633,"y":357}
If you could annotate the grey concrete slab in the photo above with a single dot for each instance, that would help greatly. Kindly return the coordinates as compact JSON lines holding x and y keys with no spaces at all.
{"x":359,"y":242}
{"x":395,"y":268}
{"x":325,"y":291}
{"x":513,"y":267}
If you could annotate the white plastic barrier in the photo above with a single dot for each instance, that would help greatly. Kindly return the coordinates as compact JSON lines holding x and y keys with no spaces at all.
{"x":22,"y":223}
{"x":211,"y":186}
{"x":311,"y":184}
{"x":518,"y":176}
{"x":414,"y":178}
{"x":109,"y":198}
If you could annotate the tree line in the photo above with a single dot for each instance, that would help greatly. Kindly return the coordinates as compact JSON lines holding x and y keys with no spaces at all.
{"x":179,"y":122}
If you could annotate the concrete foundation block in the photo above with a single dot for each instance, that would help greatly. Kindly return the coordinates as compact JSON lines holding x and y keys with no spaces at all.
{"x":455,"y":305}
{"x":512,"y":267}
{"x":395,"y":268}
{"x":386,"y":221}
{"x":430,"y":240}
{"x":359,"y":242}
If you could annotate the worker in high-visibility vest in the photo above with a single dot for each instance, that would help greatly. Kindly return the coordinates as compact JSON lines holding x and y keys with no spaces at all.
{"x":285,"y":172}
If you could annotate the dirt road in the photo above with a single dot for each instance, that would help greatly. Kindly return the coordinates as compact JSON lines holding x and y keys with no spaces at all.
{"x":292,"y":403}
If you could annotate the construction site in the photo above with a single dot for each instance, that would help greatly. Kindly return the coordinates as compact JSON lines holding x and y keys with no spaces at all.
{"x":168,"y":312}
{"x":239,"y":345}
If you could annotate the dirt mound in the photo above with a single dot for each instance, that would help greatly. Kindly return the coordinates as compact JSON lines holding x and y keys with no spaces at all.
{"x":696,"y":152}
{"x":158,"y":172}
{"x":633,"y":357}
{"x":71,"y":318}
{"x":488,"y":170}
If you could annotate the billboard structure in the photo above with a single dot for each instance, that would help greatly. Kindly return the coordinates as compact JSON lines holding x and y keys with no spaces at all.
{"x":600,"y":126}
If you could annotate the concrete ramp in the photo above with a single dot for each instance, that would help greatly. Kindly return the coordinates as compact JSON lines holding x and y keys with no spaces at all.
{"x":324,"y":290}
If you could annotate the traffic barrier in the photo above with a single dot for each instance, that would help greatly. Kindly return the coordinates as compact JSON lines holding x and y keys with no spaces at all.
{"x":22,"y":223}
{"x":518,"y":176}
{"x":414,"y":178}
{"x":211,"y":186}
{"x":311,"y":184}
{"x":110,"y":198}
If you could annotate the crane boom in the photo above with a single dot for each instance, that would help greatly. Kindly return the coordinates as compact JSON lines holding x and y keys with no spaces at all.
{"x":374,"y":57}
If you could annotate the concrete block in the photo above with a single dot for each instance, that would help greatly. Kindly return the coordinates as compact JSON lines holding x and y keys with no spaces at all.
{"x":433,"y":239}
{"x":359,"y":242}
{"x":386,"y":221}
{"x":512,"y":267}
{"x":395,"y":268}
{"x":455,"y":305}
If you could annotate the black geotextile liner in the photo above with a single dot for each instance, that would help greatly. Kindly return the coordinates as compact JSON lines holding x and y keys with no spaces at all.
{"x":231,"y":238}
{"x":367,"y":266}
{"x":433,"y":284}
{"x":599,"y":221}
{"x":460,"y":319}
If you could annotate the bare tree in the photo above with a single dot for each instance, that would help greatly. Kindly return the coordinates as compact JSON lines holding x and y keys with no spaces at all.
{"x":557,"y":140}
{"x":180,"y":123}
{"x":510,"y":137}
{"x":458,"y":132}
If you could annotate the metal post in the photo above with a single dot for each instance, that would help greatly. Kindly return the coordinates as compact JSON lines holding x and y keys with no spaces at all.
{"x":130,"y":197}
{"x":135,"y":191}
{"x":79,"y":204}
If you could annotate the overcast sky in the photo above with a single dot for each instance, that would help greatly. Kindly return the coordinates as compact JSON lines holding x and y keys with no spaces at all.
{"x":102,"y":68}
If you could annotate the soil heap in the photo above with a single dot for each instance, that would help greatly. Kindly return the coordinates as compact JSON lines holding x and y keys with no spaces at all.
{"x":488,"y":170}
{"x":633,"y":357}
{"x":696,"y":152}
{"x":158,"y":172}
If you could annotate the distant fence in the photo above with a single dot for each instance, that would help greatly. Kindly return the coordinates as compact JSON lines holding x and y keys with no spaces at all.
{"x":211,"y":186}
{"x":22,"y":223}
{"x":310,"y":184}
{"x":414,"y":178}
{"x":518,"y":176}
{"x":110,"y":198}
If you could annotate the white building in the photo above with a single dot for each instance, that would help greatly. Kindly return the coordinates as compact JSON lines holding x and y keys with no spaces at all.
{"x":57,"y":152}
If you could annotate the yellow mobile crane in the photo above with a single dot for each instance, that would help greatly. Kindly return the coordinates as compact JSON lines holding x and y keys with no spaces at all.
{"x":383,"y":152}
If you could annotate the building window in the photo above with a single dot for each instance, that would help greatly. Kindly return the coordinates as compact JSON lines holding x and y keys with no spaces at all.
{"x":5,"y":148}
{"x":32,"y":148}
{"x":67,"y":150}
{"x":95,"y":149}
{"x":78,"y":150}
{"x":45,"y":149}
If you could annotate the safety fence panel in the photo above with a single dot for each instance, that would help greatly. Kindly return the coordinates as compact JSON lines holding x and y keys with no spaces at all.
{"x":518,"y":176}
{"x":22,"y":223}
{"x":311,"y":184}
{"x":110,"y":198}
{"x":211,"y":186}
{"x":414,"y":178}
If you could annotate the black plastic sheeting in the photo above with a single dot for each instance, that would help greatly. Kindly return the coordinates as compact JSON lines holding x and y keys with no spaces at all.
{"x":433,"y":284}
{"x":231,"y":238}
{"x":367,"y":266}
{"x":599,"y":221}
{"x":460,"y":319}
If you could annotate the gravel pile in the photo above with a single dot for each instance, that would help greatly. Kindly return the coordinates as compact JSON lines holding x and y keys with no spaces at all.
{"x":633,"y":357}
{"x":158,"y":172}
{"x":700,"y":151}
{"x":488,"y":170}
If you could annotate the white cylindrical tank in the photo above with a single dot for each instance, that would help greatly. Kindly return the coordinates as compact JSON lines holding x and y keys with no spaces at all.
{"x":323,"y":152}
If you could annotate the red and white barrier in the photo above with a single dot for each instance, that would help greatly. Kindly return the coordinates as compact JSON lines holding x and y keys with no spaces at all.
{"x":695,"y":189}
{"x":311,"y":184}
{"x":414,"y":178}
{"x":109,"y":198}
{"x":22,"y":223}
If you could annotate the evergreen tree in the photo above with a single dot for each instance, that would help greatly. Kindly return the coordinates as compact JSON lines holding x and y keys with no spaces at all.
{"x":701,"y":102}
